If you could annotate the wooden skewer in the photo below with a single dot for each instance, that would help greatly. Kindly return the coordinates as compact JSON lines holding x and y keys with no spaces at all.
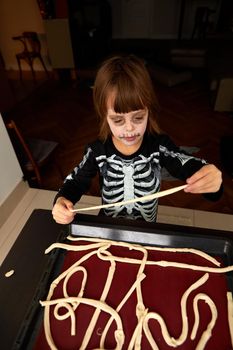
{"x":134,"y":200}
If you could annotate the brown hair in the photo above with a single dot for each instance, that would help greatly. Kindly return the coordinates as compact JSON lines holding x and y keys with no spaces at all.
{"x":129,"y":80}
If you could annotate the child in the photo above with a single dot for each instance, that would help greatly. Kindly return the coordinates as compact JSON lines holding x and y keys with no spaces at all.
{"x":130,"y":152}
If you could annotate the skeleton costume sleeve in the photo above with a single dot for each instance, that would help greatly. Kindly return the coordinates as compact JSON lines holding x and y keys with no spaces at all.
{"x":78,"y":182}
{"x":126,"y":177}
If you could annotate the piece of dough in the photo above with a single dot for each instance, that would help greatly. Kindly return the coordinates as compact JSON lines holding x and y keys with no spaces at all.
{"x":149,"y":197}
{"x":9,"y":273}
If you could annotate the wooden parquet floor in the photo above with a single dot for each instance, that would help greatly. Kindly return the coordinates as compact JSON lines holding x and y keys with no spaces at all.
{"x":63,"y":111}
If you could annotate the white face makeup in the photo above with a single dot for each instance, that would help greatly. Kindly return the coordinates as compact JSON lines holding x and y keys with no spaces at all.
{"x":128,"y":128}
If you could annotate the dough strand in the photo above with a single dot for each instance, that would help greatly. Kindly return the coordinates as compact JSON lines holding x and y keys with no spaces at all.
{"x":134,"y":200}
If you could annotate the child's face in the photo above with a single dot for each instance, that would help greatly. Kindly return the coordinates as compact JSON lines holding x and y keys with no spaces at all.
{"x":128,"y":128}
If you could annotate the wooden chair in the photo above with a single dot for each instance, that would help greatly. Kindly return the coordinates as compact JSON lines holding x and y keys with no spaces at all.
{"x":31,"y":51}
{"x":32,"y":154}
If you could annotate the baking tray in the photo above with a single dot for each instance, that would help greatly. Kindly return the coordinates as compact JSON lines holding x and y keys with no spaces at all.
{"x":213,"y":242}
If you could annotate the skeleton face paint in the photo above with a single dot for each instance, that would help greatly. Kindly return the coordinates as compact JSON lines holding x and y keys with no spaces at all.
{"x":128,"y":128}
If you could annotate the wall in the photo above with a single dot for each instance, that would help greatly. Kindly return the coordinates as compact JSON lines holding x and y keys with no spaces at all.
{"x":155,"y":19}
{"x":151,"y":19}
{"x":11,"y":173}
{"x":17,"y":16}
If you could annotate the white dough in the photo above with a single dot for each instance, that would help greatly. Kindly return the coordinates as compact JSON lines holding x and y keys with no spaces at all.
{"x":9,"y":273}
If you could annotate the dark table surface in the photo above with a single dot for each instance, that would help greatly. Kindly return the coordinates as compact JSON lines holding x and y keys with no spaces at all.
{"x":19,"y":293}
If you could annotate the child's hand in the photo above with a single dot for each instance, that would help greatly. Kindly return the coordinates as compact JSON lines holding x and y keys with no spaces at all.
{"x":207,"y":179}
{"x":62,"y":211}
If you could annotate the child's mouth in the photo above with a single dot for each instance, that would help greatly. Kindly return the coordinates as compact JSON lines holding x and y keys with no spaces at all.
{"x":129,"y":138}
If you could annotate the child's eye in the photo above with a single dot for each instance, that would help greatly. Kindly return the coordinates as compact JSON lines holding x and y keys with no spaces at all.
{"x":118,"y":121}
{"x":138,"y":119}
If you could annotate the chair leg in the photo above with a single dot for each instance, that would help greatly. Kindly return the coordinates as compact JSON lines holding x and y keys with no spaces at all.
{"x":30,"y":62}
{"x":38,"y":178}
{"x":44,"y":66}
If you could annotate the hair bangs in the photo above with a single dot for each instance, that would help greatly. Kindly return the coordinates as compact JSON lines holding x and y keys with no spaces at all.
{"x":127,"y":98}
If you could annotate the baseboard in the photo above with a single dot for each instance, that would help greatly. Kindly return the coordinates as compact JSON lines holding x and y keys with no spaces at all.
{"x":12,"y":200}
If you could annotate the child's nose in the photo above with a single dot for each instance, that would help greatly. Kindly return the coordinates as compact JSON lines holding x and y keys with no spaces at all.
{"x":129,"y":126}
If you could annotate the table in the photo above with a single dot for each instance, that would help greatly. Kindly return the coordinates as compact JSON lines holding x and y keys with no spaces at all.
{"x":19,"y":293}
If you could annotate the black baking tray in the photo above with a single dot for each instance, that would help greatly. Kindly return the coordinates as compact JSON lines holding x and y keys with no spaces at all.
{"x":214,"y":242}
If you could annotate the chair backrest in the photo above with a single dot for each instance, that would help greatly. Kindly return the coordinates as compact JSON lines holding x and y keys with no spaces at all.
{"x":22,"y":151}
{"x":32,"y":41}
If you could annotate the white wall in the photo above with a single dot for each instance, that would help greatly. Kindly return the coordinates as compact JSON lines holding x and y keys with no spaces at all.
{"x":10,"y":171}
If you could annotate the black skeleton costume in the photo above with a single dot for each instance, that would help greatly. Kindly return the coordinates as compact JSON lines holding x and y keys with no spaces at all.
{"x":126,"y":177}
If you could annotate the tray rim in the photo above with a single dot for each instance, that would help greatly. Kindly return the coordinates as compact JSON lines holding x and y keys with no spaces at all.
{"x":141,"y":225}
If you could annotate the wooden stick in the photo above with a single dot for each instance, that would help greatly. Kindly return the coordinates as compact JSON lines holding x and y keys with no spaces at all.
{"x":134,"y":200}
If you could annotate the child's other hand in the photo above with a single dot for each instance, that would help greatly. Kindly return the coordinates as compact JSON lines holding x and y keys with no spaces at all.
{"x":62,"y":211}
{"x":207,"y":179}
